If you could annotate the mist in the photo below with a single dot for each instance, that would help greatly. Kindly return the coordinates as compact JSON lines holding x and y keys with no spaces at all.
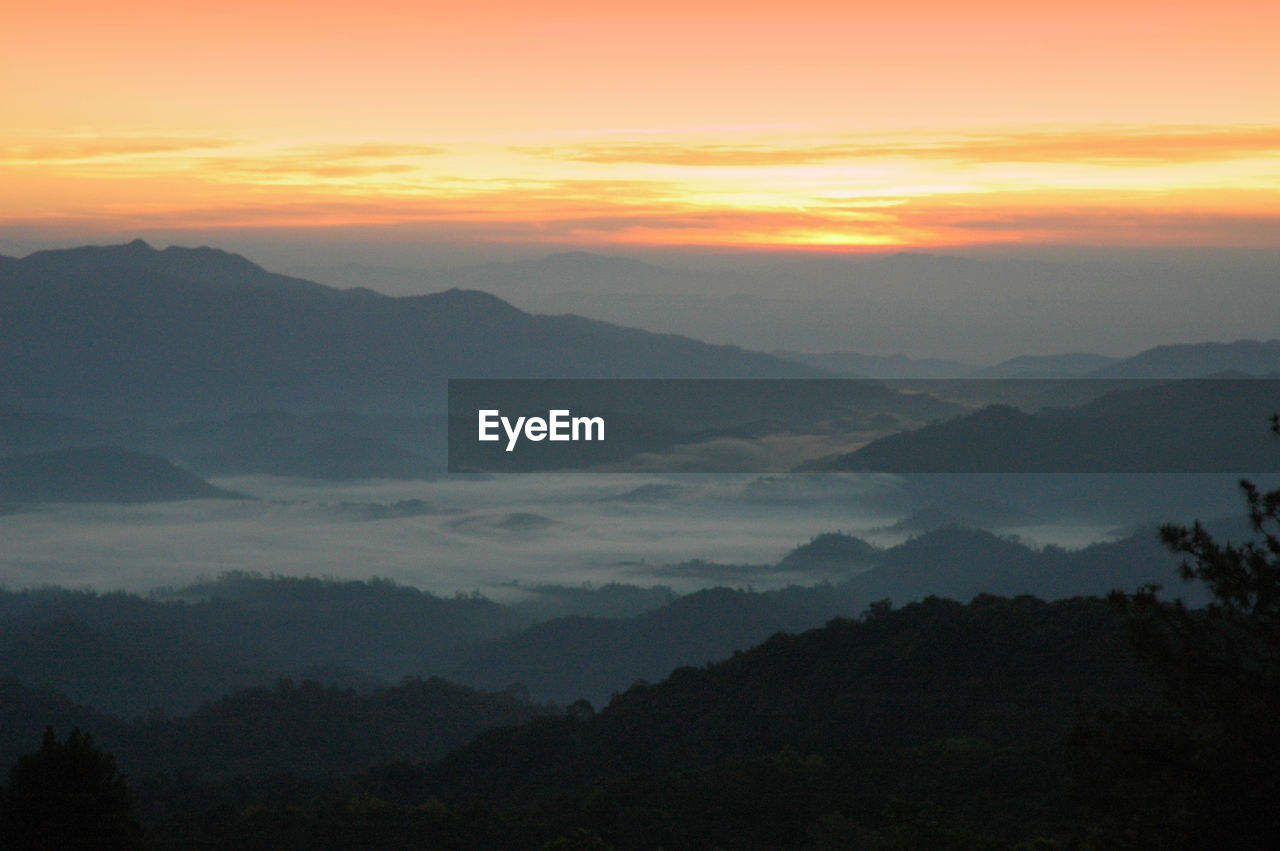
{"x":465,"y":534}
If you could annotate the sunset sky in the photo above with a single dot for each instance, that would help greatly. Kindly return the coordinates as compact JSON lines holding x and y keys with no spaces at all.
{"x":705,"y":124}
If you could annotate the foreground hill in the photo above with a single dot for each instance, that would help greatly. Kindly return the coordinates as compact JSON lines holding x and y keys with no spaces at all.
{"x":131,"y":655}
{"x":304,"y":728}
{"x":128,"y":330}
{"x":863,"y":733}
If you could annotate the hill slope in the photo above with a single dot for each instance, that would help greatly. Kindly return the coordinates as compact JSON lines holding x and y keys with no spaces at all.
{"x":98,"y":474}
{"x":200,"y":332}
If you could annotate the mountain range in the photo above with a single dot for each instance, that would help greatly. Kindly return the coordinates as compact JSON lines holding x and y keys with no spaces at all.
{"x":131,"y":331}
{"x":1189,"y":426}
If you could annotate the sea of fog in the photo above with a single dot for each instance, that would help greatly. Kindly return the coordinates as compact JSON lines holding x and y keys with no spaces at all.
{"x":463,"y":534}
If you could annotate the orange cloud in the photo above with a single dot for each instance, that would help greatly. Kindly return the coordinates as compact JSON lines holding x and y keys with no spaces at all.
{"x":1125,"y":146}
{"x":74,"y":150}
{"x":641,"y":212}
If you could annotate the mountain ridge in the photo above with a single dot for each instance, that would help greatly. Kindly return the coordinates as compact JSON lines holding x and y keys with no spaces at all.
{"x":128,"y":330}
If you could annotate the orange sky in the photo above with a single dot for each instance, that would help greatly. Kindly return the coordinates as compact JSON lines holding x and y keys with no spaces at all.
{"x":706,"y":124}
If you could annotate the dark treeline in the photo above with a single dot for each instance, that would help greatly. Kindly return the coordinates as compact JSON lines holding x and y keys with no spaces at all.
{"x":170,"y":651}
{"x":814,"y":739}
{"x":302,"y":728}
{"x":1000,"y":723}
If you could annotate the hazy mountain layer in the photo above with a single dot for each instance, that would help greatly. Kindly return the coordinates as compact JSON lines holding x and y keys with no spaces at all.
{"x":131,"y":331}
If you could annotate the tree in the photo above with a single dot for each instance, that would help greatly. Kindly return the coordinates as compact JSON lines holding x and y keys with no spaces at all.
{"x":1203,"y":768}
{"x":67,"y":795}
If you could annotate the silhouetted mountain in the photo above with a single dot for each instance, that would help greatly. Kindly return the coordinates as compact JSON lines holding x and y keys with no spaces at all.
{"x":199,"y":332}
{"x":228,"y":271}
{"x":315,"y":731}
{"x":128,"y":655}
{"x":832,"y":549}
{"x":102,"y":474}
{"x":575,"y":657}
{"x":1197,"y":360}
{"x":961,"y":563}
{"x":554,"y":273}
{"x":1192,"y":426}
{"x":306,"y":729}
{"x":965,"y":706}
{"x":26,"y":711}
{"x":122,"y":668}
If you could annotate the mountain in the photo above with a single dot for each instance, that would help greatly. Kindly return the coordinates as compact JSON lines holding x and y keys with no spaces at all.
{"x":579,"y":657}
{"x":101,"y":474}
{"x":305,"y":728}
{"x":174,"y":649}
{"x":1192,"y":426}
{"x":574,"y":657}
{"x":1074,"y":365}
{"x":807,"y":740}
{"x":855,"y":365}
{"x":574,"y":270}
{"x":129,"y":330}
{"x":24,"y":432}
{"x":963,"y":563}
{"x":1197,"y":360}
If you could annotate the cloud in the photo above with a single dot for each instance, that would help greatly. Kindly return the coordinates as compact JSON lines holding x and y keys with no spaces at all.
{"x":220,"y":159}
{"x":1103,"y":146}
{"x":77,"y":150}
{"x":324,"y":162}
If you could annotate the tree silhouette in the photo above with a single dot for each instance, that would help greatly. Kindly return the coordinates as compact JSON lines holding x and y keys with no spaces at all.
{"x":67,"y":795}
{"x":1204,"y":768}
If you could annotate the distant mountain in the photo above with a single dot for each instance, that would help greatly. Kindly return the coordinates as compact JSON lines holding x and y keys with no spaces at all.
{"x":101,"y":474}
{"x":962,"y":563}
{"x":128,"y":330}
{"x":553,"y":273}
{"x":1192,"y":360}
{"x":1194,"y":426}
{"x":855,"y":365}
{"x":1197,"y":360}
{"x":573,"y":657}
{"x":1074,"y":365}
{"x":831,"y":550}
{"x":23,"y":432}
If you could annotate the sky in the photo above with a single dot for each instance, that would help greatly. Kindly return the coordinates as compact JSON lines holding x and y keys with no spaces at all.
{"x":708,"y":125}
